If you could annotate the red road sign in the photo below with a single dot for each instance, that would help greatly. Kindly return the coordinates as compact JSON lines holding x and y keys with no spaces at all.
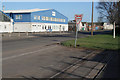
{"x":78,"y":18}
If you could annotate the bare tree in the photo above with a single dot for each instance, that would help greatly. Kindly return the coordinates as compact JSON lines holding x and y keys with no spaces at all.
{"x":109,"y":11}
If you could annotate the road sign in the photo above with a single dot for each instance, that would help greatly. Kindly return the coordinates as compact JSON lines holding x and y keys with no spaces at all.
{"x":78,"y":19}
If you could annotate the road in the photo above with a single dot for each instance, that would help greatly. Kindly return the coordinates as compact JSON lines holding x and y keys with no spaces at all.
{"x":31,"y":57}
{"x":41,"y":57}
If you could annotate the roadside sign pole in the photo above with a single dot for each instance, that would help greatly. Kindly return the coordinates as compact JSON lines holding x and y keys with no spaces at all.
{"x":78,"y":19}
{"x":114,"y":30}
{"x":76,"y":35}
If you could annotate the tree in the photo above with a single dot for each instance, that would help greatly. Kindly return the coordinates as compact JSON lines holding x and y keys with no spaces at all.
{"x":109,"y":11}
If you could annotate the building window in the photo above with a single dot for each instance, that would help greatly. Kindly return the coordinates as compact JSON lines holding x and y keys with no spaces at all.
{"x":18,"y":16}
{"x":50,"y":27}
{"x":53,"y":13}
{"x":53,"y":19}
{"x":38,"y":17}
{"x":35,"y":17}
{"x":49,"y":19}
{"x":46,"y":18}
{"x":60,"y":20}
{"x":45,"y":27}
{"x":64,"y":20}
{"x":42,"y":27}
{"x":57,"y":20}
{"x":43,"y":17}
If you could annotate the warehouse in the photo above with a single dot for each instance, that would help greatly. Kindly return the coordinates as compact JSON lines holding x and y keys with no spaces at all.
{"x":38,"y":20}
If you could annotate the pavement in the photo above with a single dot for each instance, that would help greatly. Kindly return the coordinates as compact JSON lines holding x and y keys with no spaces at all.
{"x":18,"y":36}
{"x":40,"y":56}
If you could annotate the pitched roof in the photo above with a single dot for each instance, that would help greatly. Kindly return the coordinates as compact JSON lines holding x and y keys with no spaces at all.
{"x":24,"y":11}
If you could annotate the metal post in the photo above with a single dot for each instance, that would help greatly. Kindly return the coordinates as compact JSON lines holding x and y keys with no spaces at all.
{"x":60,"y":29}
{"x":76,"y":36}
{"x":92,"y":18}
{"x":114,"y":30}
{"x":27,"y":33}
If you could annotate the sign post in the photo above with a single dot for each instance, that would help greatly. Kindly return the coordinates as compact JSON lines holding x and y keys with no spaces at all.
{"x":78,"y":19}
{"x":114,"y":30}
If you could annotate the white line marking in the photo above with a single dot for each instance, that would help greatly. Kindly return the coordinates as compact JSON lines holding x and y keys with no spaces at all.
{"x":23,"y":54}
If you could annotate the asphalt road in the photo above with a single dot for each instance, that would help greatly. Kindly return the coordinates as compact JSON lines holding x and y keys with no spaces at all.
{"x":37,"y":57}
{"x":41,"y":57}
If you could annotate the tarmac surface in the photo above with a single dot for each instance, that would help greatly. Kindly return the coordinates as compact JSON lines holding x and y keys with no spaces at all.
{"x":39,"y":56}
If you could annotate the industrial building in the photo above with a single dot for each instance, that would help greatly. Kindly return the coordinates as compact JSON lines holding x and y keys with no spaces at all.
{"x":38,"y":20}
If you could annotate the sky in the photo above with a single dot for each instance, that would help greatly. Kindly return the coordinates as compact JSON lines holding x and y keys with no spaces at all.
{"x":68,"y":9}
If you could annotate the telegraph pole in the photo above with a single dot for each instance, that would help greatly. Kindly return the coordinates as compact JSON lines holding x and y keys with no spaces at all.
{"x":92,"y":18}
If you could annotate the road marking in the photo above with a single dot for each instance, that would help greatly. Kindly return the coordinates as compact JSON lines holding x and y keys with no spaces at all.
{"x":23,"y":54}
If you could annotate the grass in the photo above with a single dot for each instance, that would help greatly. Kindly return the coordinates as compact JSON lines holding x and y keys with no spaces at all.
{"x":105,"y":42}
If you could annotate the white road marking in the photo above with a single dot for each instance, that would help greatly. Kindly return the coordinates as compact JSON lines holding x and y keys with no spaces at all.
{"x":23,"y":54}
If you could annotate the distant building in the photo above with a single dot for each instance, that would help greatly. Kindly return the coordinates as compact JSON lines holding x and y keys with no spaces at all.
{"x":84,"y":26}
{"x":108,"y":26}
{"x":38,"y":20}
{"x":6,"y":23}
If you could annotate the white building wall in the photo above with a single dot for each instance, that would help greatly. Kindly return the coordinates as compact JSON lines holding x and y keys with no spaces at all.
{"x":22,"y":27}
{"x":108,"y":26}
{"x":6,"y":27}
{"x":40,"y":27}
{"x":80,"y":26}
{"x":31,"y":27}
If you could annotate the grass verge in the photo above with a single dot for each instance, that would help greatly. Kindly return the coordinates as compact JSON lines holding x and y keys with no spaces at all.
{"x":105,"y":42}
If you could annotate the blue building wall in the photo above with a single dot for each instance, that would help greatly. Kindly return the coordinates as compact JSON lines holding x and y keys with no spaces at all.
{"x":29,"y":17}
{"x":26,"y":17}
{"x":48,"y":13}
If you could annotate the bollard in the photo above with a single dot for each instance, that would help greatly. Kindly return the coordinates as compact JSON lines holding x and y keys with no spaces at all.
{"x":10,"y":34}
{"x":60,"y":31}
{"x":27,"y":34}
{"x":46,"y":31}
